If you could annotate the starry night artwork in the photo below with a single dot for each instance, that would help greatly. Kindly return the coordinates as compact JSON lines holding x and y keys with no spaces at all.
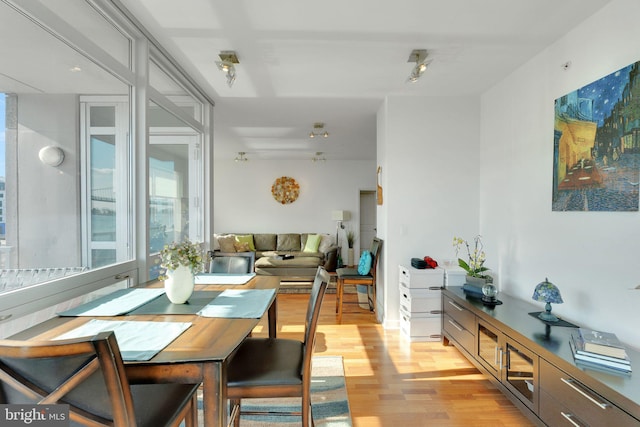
{"x":596,"y":155}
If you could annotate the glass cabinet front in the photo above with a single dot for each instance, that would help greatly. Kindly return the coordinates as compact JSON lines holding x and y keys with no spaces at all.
{"x":520,"y":372}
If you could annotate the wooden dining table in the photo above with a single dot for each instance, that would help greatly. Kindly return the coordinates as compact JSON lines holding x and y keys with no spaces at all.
{"x":199,"y":355}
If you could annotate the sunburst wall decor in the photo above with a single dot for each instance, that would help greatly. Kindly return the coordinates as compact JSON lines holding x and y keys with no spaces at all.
{"x":285,"y":190}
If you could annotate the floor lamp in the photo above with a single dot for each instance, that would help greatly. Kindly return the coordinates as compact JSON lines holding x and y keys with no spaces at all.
{"x":339,"y":216}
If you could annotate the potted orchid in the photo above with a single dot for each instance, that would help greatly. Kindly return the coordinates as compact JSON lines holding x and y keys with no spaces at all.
{"x":475,"y":266}
{"x":181,"y":262}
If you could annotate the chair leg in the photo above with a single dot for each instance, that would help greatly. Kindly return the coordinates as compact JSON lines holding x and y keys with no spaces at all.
{"x":373,"y":287}
{"x":234,"y":412}
{"x":339,"y":293}
{"x":191,"y":419}
{"x":306,"y":411}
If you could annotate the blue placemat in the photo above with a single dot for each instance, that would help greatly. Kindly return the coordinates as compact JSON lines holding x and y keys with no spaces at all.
{"x":116,"y":303}
{"x":240,"y":303}
{"x":162,"y":305}
{"x":137,"y":340}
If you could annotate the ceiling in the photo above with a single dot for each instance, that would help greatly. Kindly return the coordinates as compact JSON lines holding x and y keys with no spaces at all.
{"x":334,"y":61}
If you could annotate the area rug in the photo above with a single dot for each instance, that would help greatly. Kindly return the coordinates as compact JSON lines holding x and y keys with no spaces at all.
{"x":330,"y":405}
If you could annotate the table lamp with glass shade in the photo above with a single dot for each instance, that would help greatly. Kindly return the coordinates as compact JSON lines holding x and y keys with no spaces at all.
{"x":548,"y":293}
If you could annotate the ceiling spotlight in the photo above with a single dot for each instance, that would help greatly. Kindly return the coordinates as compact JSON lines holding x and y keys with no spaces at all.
{"x":419,"y":56}
{"x":319,"y":157}
{"x":318,"y":130}
{"x":241,"y":157}
{"x":226,"y":64}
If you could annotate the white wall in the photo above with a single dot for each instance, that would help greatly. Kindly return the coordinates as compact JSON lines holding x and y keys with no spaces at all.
{"x":48,"y":232}
{"x":591,"y":256}
{"x":243,"y":202}
{"x":429,"y":152}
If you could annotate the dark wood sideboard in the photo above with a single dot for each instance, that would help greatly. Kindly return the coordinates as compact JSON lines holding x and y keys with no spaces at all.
{"x":533,"y":365}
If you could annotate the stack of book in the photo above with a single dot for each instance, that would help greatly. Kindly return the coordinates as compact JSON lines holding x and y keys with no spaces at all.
{"x":596,"y":349}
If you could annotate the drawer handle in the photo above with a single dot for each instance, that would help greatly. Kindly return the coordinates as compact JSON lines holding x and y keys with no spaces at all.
{"x":435,"y":336}
{"x":569,"y":417}
{"x":569,"y":382}
{"x":500,"y":355}
{"x":456,"y":305}
{"x":455,"y":326}
{"x":435,"y":312}
{"x":435,"y":288}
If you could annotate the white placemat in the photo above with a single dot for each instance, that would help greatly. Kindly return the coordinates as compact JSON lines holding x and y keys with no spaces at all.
{"x":239,"y":304}
{"x":138,"y":340}
{"x":222,"y":279}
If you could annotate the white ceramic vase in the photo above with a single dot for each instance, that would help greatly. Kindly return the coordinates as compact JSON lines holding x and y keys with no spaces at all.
{"x":179,"y":284}
{"x":350,"y":259}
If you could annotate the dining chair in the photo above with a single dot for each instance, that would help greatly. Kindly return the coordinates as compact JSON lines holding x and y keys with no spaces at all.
{"x":351,"y":276}
{"x":232,"y":263}
{"x":277,"y":367}
{"x":88,"y":374}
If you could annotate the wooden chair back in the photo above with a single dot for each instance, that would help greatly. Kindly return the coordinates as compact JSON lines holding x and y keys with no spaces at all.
{"x":318,"y":289}
{"x":86,"y":373}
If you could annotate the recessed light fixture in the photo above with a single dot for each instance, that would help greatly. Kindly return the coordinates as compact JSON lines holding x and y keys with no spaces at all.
{"x":75,"y":69}
{"x":318,"y":130}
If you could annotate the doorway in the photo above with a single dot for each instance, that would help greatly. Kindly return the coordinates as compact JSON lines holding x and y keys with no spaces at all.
{"x":367,"y":219}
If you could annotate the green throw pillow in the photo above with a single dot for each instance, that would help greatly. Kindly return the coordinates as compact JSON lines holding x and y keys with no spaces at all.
{"x":247,"y":238}
{"x":313,"y":242}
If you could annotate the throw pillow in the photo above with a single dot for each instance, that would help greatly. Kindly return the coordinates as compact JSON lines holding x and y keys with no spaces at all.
{"x":264,"y":242}
{"x":288,"y":242}
{"x":313,"y":242}
{"x":241,"y":247}
{"x":216,"y":244}
{"x":364,"y":266}
{"x":227,"y":243}
{"x":325,"y":243}
{"x":248,"y":239}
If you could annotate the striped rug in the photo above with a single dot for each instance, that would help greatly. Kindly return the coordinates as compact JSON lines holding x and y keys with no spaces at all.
{"x":330,"y":404}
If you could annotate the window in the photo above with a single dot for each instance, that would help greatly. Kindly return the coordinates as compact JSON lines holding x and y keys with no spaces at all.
{"x":76,"y":227}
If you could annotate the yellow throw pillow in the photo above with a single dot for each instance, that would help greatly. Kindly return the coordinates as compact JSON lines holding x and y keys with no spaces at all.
{"x":313,"y":242}
{"x":241,"y":246}
{"x":248,"y":239}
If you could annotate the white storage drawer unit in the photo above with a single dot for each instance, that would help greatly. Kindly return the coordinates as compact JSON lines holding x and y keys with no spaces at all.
{"x":421,"y":303}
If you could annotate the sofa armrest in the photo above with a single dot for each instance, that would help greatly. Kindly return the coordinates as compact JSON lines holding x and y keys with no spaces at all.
{"x":331,"y":259}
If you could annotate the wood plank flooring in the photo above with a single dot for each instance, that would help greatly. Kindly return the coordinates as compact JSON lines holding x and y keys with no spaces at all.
{"x":394,"y":382}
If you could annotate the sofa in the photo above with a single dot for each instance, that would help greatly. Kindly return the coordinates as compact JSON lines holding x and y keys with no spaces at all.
{"x":293,"y":256}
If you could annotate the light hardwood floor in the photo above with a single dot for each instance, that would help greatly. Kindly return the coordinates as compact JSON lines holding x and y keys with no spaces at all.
{"x":393,"y":382}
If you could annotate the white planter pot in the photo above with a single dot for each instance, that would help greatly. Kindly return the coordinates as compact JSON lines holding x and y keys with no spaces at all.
{"x":179,"y":284}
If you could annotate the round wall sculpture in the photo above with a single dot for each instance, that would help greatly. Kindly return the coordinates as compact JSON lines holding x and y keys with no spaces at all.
{"x":285,"y":190}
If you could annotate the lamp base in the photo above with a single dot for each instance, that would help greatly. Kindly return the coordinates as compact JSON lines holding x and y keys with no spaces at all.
{"x":547,"y":316}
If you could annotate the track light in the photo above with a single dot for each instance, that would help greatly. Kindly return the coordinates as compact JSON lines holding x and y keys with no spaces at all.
{"x":226,"y":64}
{"x":241,"y":157}
{"x":419,"y":56}
{"x":319,"y":157}
{"x":318,"y":130}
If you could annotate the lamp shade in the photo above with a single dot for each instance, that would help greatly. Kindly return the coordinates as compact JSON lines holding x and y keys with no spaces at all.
{"x":340,"y":215}
{"x":547,"y":292}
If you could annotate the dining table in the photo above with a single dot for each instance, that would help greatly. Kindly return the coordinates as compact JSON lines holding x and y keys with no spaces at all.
{"x":198,"y":355}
